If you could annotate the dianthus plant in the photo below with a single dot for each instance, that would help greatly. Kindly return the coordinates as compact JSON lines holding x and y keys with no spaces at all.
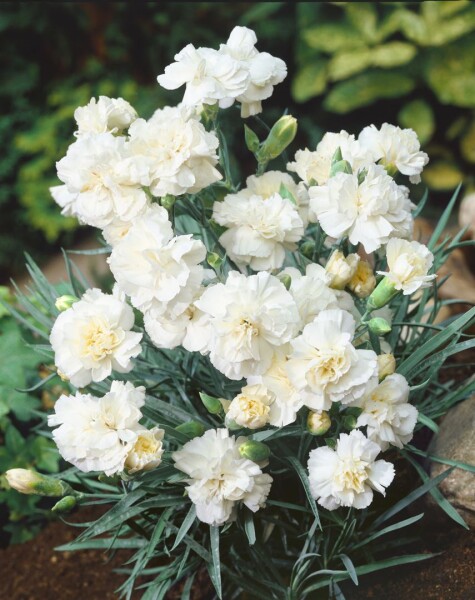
{"x":244,"y":398}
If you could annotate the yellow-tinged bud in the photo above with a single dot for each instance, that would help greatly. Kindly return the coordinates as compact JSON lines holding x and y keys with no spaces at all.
{"x":191,"y":429}
{"x":64,"y":302}
{"x":214,"y":260}
{"x":363,"y":281}
{"x":255,"y":451}
{"x":280,"y":136}
{"x":386,"y":365}
{"x":318,"y":422}
{"x":382,"y":294}
{"x":379,"y":326}
{"x":341,"y":269}
{"x":31,"y":482}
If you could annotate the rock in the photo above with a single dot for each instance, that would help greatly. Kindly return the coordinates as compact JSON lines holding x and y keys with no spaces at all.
{"x":456,"y":441}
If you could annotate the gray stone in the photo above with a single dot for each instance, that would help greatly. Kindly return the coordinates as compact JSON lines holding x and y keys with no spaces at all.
{"x":456,"y":441}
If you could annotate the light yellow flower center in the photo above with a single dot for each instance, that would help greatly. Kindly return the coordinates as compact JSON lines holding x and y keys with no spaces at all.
{"x":99,"y":340}
{"x":352,"y":475}
{"x":146,"y":445}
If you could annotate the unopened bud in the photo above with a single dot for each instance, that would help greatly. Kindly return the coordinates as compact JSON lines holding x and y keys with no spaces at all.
{"x":214,"y":260}
{"x":308,"y":249}
{"x":386,"y":365}
{"x":318,"y":422}
{"x":349,"y":422}
{"x":252,"y":141}
{"x":363,"y":281}
{"x":64,"y":302}
{"x":191,"y":429}
{"x":212,"y":405}
{"x":65,"y":505}
{"x":31,"y":482}
{"x":341,"y":269}
{"x":255,"y":451}
{"x":379,"y":326}
{"x":168,"y":201}
{"x":286,"y":280}
{"x":280,"y":136}
{"x":382,"y":294}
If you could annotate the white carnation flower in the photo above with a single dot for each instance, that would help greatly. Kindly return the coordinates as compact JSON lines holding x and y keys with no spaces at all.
{"x":97,"y":434}
{"x":94,"y":337}
{"x":146,"y":453}
{"x":156,"y":269}
{"x":341,"y":268}
{"x":65,"y":199}
{"x":95,"y":173}
{"x":369,"y":212}
{"x":261,"y":224}
{"x":219,"y":478}
{"x":348,"y":475}
{"x":408,"y":264}
{"x":287,"y":400}
{"x":324,"y":365}
{"x":251,"y":407}
{"x":314,"y":166}
{"x":395,"y":148}
{"x":265,"y":70}
{"x":210,"y":76}
{"x":389,"y":418}
{"x":250,"y":317}
{"x":172,"y":153}
{"x":104,"y":115}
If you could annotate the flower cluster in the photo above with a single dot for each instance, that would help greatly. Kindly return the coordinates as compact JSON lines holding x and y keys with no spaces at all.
{"x":281,"y":319}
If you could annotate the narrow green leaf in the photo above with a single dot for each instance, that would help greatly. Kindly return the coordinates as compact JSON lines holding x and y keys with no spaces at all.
{"x":306,"y":485}
{"x":346,"y":560}
{"x":215,"y":566}
{"x":249,"y":527}
{"x":185,"y":526}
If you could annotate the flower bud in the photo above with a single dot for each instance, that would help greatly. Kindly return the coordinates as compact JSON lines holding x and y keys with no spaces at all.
{"x":308,"y":249}
{"x":64,"y":505}
{"x":31,"y":482}
{"x":64,"y":302}
{"x":212,"y":405}
{"x":318,"y":422}
{"x":379,"y":326}
{"x":191,"y":429}
{"x":168,"y":201}
{"x":286,"y":280}
{"x":363,"y":281}
{"x":382,"y":294}
{"x":349,"y":422}
{"x":341,"y":269}
{"x":214,"y":260}
{"x":255,"y":451}
{"x":280,"y":136}
{"x":386,"y":365}
{"x":252,"y":141}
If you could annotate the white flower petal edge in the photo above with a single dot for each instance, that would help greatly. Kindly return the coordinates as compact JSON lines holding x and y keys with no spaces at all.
{"x":97,"y":434}
{"x":389,"y":418}
{"x":324,"y":366}
{"x":250,"y":317}
{"x":94,"y":337}
{"x":348,"y":475}
{"x":408,"y":263}
{"x":104,"y":115}
{"x":395,"y":147}
{"x":219,"y":478}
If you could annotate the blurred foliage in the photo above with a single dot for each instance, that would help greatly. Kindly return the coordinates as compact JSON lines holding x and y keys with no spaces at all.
{"x":357,"y":56}
{"x":20,"y":445}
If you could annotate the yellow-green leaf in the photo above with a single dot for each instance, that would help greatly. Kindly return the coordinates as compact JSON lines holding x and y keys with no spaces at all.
{"x":310,"y":81}
{"x":367,"y":88}
{"x":393,"y":54}
{"x":442,"y":175}
{"x":418,"y":115}
{"x":346,"y":64}
{"x":467,"y":143}
{"x":332,"y":37}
